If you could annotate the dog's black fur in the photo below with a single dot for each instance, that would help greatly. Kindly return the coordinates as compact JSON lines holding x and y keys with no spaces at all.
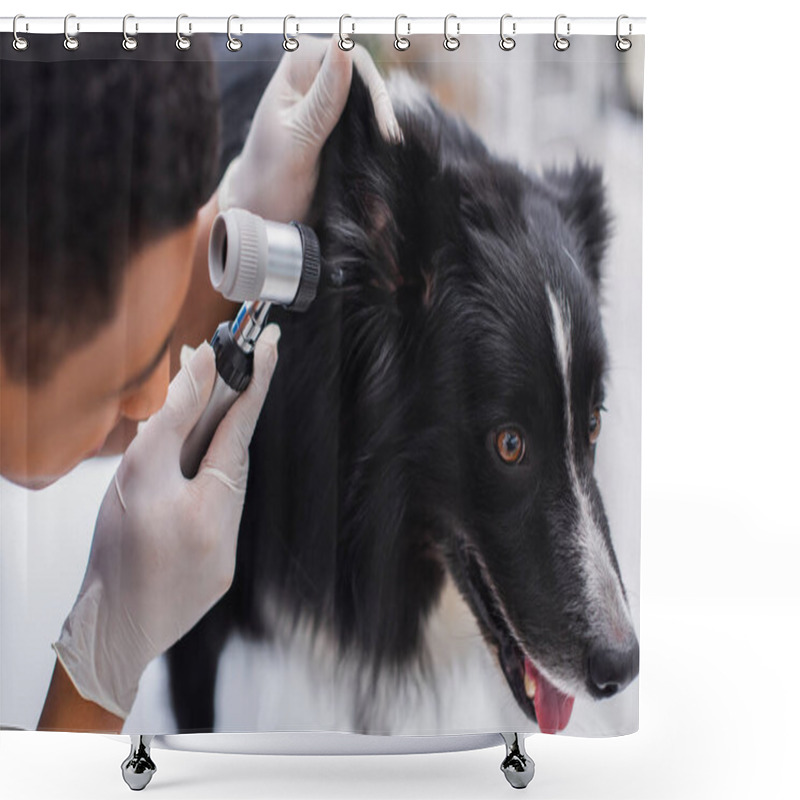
{"x":373,"y":467}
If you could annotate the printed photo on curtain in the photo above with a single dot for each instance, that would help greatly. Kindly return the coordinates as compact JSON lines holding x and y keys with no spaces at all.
{"x":418,"y":512}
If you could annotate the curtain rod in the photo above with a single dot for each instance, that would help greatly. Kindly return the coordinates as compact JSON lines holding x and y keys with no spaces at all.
{"x":349,"y":25}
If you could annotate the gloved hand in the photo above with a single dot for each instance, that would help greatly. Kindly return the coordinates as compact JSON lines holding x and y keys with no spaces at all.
{"x":164,"y":548}
{"x":276,"y":173}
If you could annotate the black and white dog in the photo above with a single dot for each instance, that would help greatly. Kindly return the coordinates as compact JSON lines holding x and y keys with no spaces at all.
{"x":435,"y":413}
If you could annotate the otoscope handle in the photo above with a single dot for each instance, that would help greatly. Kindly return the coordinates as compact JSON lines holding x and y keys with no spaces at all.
{"x":234,"y":370}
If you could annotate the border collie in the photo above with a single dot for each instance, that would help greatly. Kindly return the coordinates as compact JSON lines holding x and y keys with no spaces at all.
{"x":435,"y":415}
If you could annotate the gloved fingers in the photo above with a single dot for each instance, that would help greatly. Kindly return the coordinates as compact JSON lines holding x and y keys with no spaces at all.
{"x":384,"y":113}
{"x":185,"y":355}
{"x":319,"y":110}
{"x":188,"y":394}
{"x":227,"y":457}
{"x":302,"y":67}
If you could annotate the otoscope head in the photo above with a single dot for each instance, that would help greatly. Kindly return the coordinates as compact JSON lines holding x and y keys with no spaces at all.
{"x":250,"y":258}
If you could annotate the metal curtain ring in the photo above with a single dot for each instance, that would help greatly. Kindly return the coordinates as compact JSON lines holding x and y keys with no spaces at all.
{"x":290,"y":43}
{"x":622,"y":44}
{"x":233,"y":44}
{"x":182,"y":43}
{"x":128,"y":42}
{"x":560,"y":42}
{"x":345,"y":42}
{"x":400,"y":42}
{"x":70,"y":42}
{"x":451,"y":42}
{"x":20,"y":43}
{"x":507,"y":42}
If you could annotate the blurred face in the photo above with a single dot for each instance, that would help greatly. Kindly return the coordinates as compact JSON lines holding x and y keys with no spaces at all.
{"x":122,"y":373}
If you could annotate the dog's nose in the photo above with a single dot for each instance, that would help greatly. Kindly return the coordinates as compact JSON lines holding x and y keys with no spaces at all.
{"x":610,"y":671}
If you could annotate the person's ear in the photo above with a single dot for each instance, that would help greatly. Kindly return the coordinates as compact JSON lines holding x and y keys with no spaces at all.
{"x":150,"y":396}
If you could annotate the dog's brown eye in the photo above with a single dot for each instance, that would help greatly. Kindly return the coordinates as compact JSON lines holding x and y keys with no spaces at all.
{"x":594,"y":426}
{"x":510,"y":445}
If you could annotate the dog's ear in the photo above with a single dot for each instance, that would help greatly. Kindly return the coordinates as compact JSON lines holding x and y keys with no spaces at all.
{"x":383,"y":210}
{"x":581,"y":198}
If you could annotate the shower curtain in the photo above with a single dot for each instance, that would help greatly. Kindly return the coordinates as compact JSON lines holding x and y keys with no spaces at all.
{"x":440,"y":533}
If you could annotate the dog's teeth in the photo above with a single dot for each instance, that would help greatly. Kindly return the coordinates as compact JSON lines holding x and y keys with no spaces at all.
{"x":530,"y":685}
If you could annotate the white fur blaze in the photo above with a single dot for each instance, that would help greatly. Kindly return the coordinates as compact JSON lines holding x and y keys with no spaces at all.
{"x":607,"y":609}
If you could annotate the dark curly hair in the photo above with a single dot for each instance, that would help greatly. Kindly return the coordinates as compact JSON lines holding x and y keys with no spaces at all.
{"x":103,"y":151}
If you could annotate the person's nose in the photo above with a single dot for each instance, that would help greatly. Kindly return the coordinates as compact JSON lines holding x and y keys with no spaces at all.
{"x":150,"y":396}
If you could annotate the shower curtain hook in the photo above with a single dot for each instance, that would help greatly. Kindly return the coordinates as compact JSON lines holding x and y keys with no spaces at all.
{"x":401,"y":42}
{"x":451,"y":42}
{"x":507,"y":42}
{"x":128,"y":42}
{"x":622,"y":44}
{"x":70,"y":42}
{"x":345,"y":42}
{"x":290,"y":43}
{"x":560,"y":42}
{"x":182,"y":43}
{"x":233,"y":44}
{"x":20,"y":42}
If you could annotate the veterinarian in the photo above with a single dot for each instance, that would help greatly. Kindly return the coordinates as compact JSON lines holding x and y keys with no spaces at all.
{"x":100,"y":252}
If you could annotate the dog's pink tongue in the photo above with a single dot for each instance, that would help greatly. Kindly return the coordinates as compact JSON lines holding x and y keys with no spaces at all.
{"x":553,"y":707}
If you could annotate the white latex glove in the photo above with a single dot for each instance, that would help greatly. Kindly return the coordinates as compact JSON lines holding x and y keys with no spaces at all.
{"x":164,"y":547}
{"x":276,"y":173}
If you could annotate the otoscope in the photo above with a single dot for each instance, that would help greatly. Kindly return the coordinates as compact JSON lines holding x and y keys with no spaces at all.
{"x":257,"y":262}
